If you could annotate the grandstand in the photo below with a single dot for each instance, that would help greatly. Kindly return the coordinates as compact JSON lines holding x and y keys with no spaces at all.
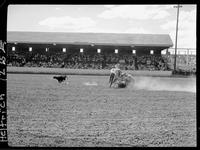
{"x":93,"y":51}
{"x":87,"y":50}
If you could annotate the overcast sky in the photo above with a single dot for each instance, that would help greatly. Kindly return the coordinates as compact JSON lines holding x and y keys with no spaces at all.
{"x":147,"y":19}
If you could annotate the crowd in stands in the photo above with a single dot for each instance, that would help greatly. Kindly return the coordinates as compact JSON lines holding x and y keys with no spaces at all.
{"x":182,"y":59}
{"x":96,"y":61}
{"x":184,"y":63}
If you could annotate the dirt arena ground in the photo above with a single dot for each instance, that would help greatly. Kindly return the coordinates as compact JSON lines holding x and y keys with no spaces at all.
{"x":85,"y":112}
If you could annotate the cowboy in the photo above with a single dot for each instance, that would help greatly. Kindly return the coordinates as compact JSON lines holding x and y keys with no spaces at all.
{"x":115,"y":73}
{"x":117,"y":70}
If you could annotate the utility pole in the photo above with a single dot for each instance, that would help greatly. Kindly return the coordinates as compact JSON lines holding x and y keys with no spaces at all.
{"x":176,"y":35}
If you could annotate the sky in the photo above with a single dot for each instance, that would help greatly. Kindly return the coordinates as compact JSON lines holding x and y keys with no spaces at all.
{"x":144,"y":19}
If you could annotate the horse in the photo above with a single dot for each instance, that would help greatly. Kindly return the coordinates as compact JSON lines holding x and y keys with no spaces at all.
{"x":122,"y":81}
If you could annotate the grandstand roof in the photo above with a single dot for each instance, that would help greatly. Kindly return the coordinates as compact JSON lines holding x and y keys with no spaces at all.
{"x":163,"y":40}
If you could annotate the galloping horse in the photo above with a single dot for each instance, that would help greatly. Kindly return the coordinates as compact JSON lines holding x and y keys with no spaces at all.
{"x":121,"y":81}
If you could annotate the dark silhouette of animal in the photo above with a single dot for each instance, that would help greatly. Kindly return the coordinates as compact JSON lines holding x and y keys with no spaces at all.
{"x":60,"y":78}
{"x":122,"y":85}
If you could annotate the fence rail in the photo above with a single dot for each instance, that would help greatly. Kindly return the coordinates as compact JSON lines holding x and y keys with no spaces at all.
{"x":181,"y":51}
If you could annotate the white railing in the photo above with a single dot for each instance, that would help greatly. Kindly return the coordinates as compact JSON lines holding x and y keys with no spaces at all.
{"x":180,"y":51}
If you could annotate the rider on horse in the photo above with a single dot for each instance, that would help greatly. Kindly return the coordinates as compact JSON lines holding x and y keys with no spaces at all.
{"x":117,"y":70}
{"x":115,"y":74}
{"x":119,"y":78}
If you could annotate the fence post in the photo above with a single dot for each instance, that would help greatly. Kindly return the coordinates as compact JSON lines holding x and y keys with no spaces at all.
{"x":187,"y":57}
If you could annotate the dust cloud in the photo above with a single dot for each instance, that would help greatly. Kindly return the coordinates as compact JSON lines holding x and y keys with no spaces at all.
{"x":90,"y":83}
{"x":165,"y":84}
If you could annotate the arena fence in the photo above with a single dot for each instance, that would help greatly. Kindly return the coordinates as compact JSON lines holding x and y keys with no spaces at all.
{"x":103,"y":72}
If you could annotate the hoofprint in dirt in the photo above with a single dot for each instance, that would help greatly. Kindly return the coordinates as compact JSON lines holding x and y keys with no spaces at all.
{"x":86,"y":112}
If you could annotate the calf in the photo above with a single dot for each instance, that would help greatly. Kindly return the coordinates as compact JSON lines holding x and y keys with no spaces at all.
{"x":60,"y":78}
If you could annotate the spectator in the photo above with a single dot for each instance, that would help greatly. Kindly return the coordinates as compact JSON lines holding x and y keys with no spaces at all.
{"x":97,"y":61}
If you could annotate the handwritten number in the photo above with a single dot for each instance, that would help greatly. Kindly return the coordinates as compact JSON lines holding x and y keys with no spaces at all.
{"x":2,"y":72}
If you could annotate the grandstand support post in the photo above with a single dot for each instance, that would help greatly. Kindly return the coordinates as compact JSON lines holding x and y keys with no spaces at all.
{"x":176,"y":35}
{"x":187,"y":57}
{"x":167,"y":52}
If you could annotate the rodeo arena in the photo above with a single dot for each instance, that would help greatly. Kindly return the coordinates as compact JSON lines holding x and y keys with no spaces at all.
{"x":99,"y":89}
